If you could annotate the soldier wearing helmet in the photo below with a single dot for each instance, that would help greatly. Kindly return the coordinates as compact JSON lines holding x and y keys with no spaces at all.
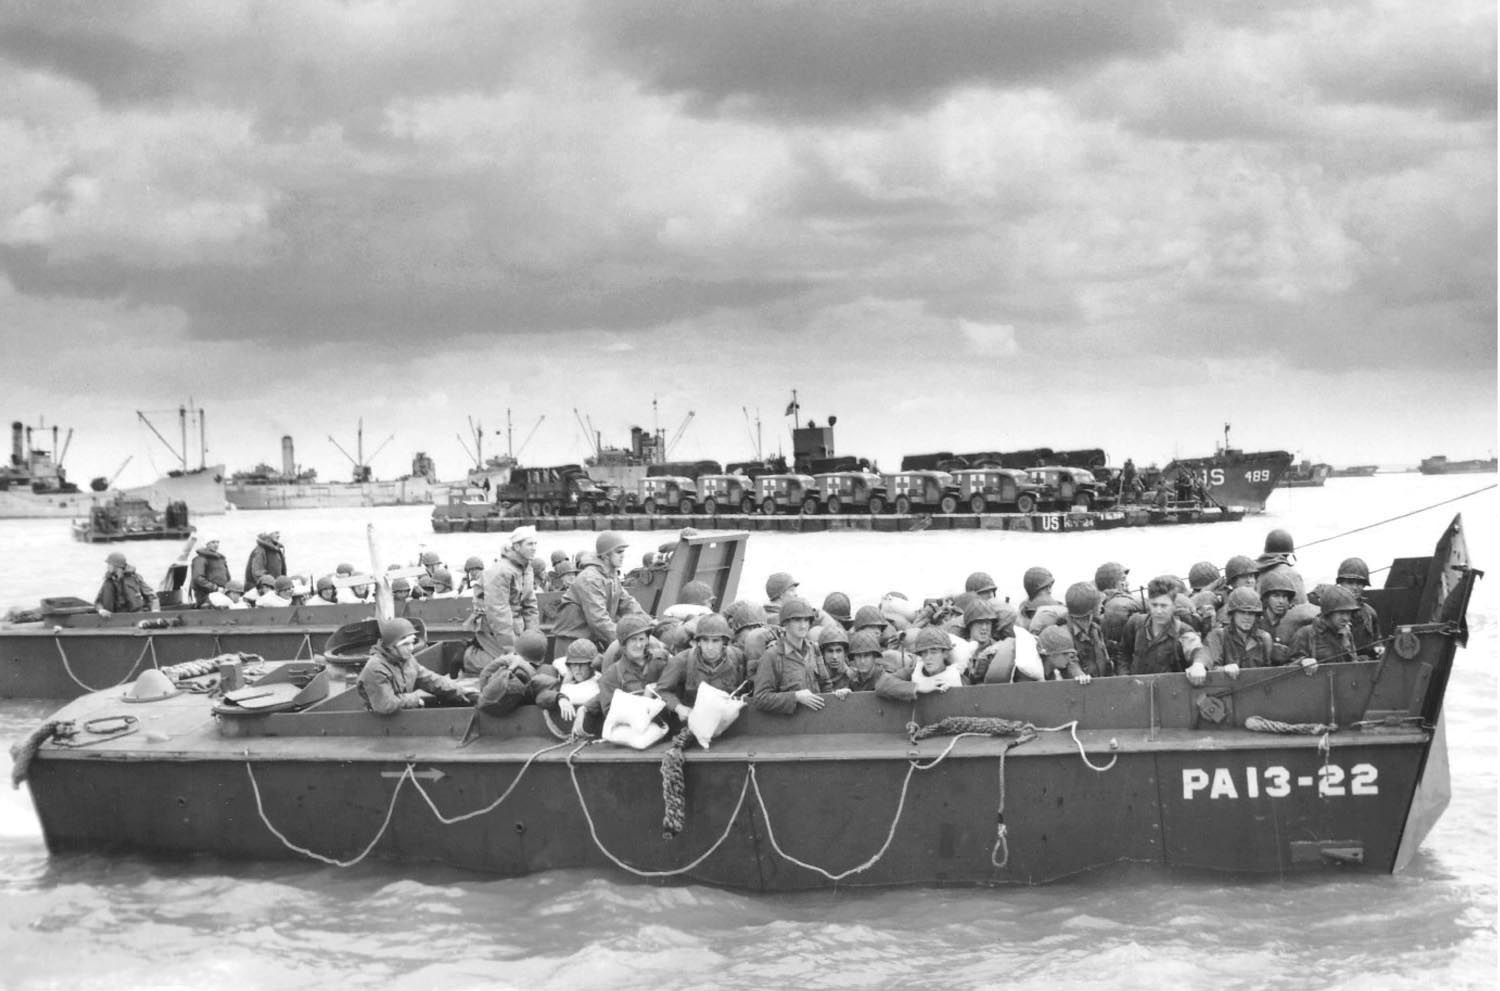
{"x":210,"y":572}
{"x":509,"y":604}
{"x":1330,"y":636}
{"x":981,"y":584}
{"x":1276,"y":591}
{"x":873,"y":670}
{"x":1239,"y":642}
{"x":748,"y":632}
{"x":1083,"y":601}
{"x":778,"y":587}
{"x":1354,"y":577}
{"x":1203,"y":576}
{"x":833,"y":647}
{"x":326,"y":591}
{"x":1158,"y":641}
{"x":1059,"y":655}
{"x":711,"y":659}
{"x":631,"y":663}
{"x":123,"y":589}
{"x":837,"y":608}
{"x":393,"y":679}
{"x":472,"y":583}
{"x":1278,"y":556}
{"x":597,"y":600}
{"x":791,"y":672}
{"x":1038,"y":585}
{"x":1112,"y":579}
{"x":577,"y":683}
{"x":933,"y":670}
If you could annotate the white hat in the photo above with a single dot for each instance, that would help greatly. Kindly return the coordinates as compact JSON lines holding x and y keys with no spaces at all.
{"x":522,"y":533}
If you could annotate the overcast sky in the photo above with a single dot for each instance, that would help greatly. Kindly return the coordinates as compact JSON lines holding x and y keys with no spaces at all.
{"x":956,"y":226}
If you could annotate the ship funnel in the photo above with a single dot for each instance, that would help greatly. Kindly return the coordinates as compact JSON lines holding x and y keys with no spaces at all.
{"x":288,"y":461}
{"x":17,"y":452}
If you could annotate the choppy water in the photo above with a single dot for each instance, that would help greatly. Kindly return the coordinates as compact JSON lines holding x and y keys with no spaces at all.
{"x":85,"y":922}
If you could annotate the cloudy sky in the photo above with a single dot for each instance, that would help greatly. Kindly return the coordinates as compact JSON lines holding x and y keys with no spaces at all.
{"x":955,"y":225}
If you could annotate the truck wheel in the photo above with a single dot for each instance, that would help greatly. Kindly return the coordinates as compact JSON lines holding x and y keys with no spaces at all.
{"x":903,"y":505}
{"x":685,"y":507}
{"x":977,"y":503}
{"x":1026,"y":503}
{"x":585,"y":508}
{"x":948,"y":504}
{"x":747,"y":506}
{"x":711,"y":506}
{"x":548,"y":509}
{"x":649,"y":507}
{"x":768,"y":506}
{"x":810,"y":506}
{"x":877,"y":505}
{"x":835,"y":504}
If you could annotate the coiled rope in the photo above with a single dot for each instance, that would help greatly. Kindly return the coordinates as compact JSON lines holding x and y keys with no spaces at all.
{"x":150,"y":648}
{"x":1260,"y":724}
{"x":22,"y":753}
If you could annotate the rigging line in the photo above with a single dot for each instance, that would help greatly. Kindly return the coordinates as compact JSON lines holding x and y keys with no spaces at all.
{"x":1393,"y":519}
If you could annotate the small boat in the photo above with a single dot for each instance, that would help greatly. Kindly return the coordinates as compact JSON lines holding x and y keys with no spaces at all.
{"x":127,"y":518}
{"x":1306,"y":474}
{"x":1354,"y":471}
{"x":1440,"y":465}
{"x":67,"y":648}
{"x":1342,"y":769}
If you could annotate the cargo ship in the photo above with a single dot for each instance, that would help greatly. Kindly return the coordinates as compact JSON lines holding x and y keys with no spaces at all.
{"x":263,"y":487}
{"x":1440,"y":465}
{"x":34,"y":484}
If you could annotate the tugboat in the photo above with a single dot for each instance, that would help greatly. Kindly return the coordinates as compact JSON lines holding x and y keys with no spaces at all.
{"x":1234,"y":477}
{"x":1337,"y":769}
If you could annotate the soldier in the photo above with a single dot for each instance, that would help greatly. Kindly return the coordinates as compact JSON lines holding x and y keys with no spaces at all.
{"x":268,"y":558}
{"x":1239,"y":643}
{"x":1278,"y":556}
{"x":1092,"y":651}
{"x":392,"y":678}
{"x":510,"y":606}
{"x":1118,"y":606}
{"x":636,"y":666}
{"x":833,"y":647}
{"x":778,"y":587}
{"x":1354,"y":578}
{"x":836,"y":607}
{"x":790,"y":672}
{"x":710,"y":660}
{"x":981,"y":585}
{"x":1203,"y":576}
{"x":472,"y":583}
{"x":579,"y":681}
{"x":1060,"y":655}
{"x":1038,"y":584}
{"x":747,"y":631}
{"x":210,"y":571}
{"x":512,"y":679}
{"x":1157,"y":641}
{"x":1275,"y":590}
{"x":871,"y":671}
{"x":123,"y":589}
{"x":1329,"y":637}
{"x":597,"y":600}
{"x":326,"y":591}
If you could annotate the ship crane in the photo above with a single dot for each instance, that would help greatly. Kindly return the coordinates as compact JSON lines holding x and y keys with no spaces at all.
{"x":587,"y":426}
{"x":361,"y":467}
{"x":678,"y":435}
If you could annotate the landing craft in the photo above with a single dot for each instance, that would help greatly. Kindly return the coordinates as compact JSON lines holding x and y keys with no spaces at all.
{"x":1281,"y":770}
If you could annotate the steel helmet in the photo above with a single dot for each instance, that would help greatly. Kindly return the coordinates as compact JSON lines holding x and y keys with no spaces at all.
{"x":266,"y":580}
{"x":325,"y":582}
{"x":864,"y":642}
{"x":696,"y":593}
{"x":833,"y":633}
{"x":283,"y":584}
{"x":1335,"y":599}
{"x":556,"y":558}
{"x":713,"y":626}
{"x":1055,"y":640}
{"x":779,"y":584}
{"x":1275,"y":581}
{"x":1035,"y":580}
{"x":631,"y":625}
{"x":344,"y":569}
{"x":795,"y":609}
{"x":743,"y":614}
{"x":1279,"y":542}
{"x":1244,"y":600}
{"x":430,"y":558}
{"x":607,"y":541}
{"x":1203,"y":574}
{"x":115,"y":560}
{"x":1110,"y":574}
{"x":1238,"y":567}
{"x":393,"y":631}
{"x":582,"y":652}
{"x":836,"y":604}
{"x":477,"y":562}
{"x":1082,"y":599}
{"x":932,"y":638}
{"x":1355,"y":570}
{"x":980,"y":611}
{"x":442,"y":579}
{"x":564,"y":568}
{"x":979,"y":581}
{"x":532,"y":645}
{"x":235,"y":585}
{"x":869,"y":616}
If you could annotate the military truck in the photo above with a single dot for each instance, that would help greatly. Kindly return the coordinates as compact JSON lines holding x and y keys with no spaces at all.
{"x":997,"y":490}
{"x":1061,"y":487}
{"x":792,"y":493}
{"x":852,"y":491}
{"x":562,"y":490}
{"x":666,"y":493}
{"x":923,"y":491}
{"x":727,"y":493}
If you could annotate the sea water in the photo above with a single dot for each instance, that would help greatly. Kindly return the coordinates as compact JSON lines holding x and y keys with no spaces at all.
{"x":83,"y":921}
